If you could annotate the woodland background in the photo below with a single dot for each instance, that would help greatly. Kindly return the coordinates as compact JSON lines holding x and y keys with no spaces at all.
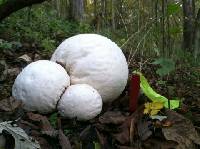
{"x":168,"y":28}
{"x":160,"y":38}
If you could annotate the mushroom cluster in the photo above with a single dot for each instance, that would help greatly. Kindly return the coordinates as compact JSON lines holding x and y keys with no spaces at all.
{"x":85,"y":71}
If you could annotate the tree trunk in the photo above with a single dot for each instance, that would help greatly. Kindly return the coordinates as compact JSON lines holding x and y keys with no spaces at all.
{"x":77,"y":10}
{"x":188,"y":24}
{"x":197,"y":35}
{"x":103,"y":11}
{"x":97,"y":17}
{"x":119,"y":8}
{"x":10,"y":6}
{"x":113,"y":14}
{"x":62,"y":7}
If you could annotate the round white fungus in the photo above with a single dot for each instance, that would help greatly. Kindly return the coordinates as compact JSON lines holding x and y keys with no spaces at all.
{"x":40,"y":85}
{"x":95,"y":60}
{"x":80,"y":101}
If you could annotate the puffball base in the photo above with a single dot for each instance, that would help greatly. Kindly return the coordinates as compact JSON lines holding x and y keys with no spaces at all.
{"x":80,"y":101}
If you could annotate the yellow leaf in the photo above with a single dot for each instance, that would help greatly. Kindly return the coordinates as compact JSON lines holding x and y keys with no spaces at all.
{"x":154,"y":112}
{"x":147,"y":105}
{"x":146,"y":111}
{"x":157,"y":105}
{"x":153,"y":108}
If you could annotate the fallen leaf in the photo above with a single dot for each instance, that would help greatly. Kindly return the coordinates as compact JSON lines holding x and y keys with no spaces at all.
{"x":157,"y":143}
{"x":112,"y":117}
{"x":63,"y":140}
{"x":127,"y":130}
{"x":44,"y":123}
{"x":13,"y":72}
{"x":3,"y":67}
{"x":25,"y":125}
{"x":9,"y":104}
{"x":182,"y":131}
{"x":144,"y":131}
{"x":88,"y":134}
{"x":156,"y":105}
{"x":37,"y":57}
{"x":125,"y":147}
{"x":158,"y":117}
{"x":153,"y":108}
{"x":154,"y":112}
{"x":21,"y":138}
{"x":25,"y":58}
{"x":102,"y":139}
{"x":44,"y":144}
{"x":167,"y":123}
{"x":123,"y":136}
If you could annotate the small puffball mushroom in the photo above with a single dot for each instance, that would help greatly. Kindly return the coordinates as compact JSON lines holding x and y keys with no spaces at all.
{"x":40,"y":85}
{"x":95,"y":60}
{"x":80,"y":101}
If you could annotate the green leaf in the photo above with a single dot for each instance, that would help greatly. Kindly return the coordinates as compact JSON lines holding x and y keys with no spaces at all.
{"x":173,"y":8}
{"x":97,"y":145}
{"x":153,"y":96}
{"x":167,"y":65}
{"x":53,"y":119}
{"x":175,"y":30}
{"x":174,"y":104}
{"x":5,"y":45}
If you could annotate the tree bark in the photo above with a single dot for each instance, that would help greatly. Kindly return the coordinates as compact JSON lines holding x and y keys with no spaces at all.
{"x":197,"y":36}
{"x":188,"y":24}
{"x":97,"y":17}
{"x":10,"y":6}
{"x":62,"y":7}
{"x":113,"y":14}
{"x":77,"y":10}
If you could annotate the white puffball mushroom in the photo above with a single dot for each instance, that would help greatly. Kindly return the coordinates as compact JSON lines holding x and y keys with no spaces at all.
{"x":95,"y":60}
{"x":80,"y":101}
{"x":40,"y":85}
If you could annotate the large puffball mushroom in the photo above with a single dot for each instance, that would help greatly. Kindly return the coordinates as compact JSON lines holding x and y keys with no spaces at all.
{"x":80,"y":101}
{"x":40,"y":85}
{"x":95,"y":60}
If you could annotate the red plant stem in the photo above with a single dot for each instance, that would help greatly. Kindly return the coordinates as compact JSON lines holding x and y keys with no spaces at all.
{"x":134,"y":92}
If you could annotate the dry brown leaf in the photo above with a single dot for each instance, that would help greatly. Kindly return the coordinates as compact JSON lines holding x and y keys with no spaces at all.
{"x":182,"y":131}
{"x":102,"y":139}
{"x":25,"y":58}
{"x":157,"y":143}
{"x":143,"y":129}
{"x":44,"y":123}
{"x":63,"y":140}
{"x":13,"y":72}
{"x":9,"y":104}
{"x":123,"y":137}
{"x":125,"y":147}
{"x":112,"y":117}
{"x":44,"y":144}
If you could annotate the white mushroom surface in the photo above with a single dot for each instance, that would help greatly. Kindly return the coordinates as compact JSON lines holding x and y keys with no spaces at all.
{"x":40,"y":85}
{"x":80,"y":101}
{"x":95,"y":60}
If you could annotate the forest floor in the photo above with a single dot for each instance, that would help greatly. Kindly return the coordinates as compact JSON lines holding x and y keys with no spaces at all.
{"x":115,"y":127}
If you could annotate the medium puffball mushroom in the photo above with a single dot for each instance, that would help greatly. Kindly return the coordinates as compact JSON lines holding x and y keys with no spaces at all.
{"x":40,"y":85}
{"x":95,"y":60}
{"x":80,"y":101}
